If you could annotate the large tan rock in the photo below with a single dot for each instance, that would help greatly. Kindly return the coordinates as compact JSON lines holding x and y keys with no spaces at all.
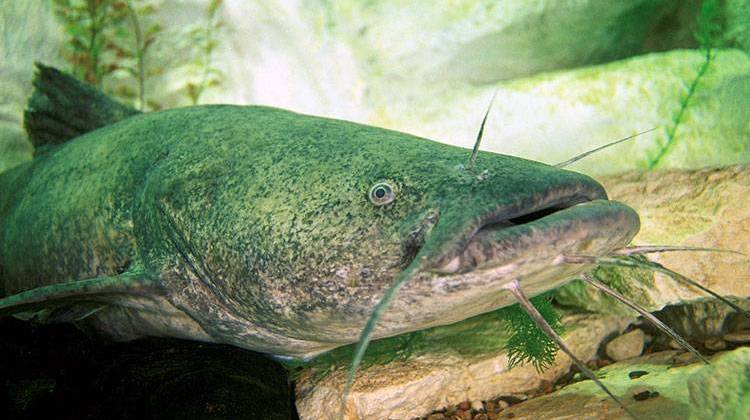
{"x":702,"y":208}
{"x":431,"y":381}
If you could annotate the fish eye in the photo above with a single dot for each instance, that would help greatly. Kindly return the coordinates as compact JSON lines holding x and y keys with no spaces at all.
{"x":382,"y":193}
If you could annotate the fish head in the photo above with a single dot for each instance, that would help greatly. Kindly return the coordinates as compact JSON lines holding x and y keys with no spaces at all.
{"x":465,"y":231}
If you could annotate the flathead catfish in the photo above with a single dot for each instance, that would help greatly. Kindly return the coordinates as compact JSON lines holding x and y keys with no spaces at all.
{"x":275,"y":231}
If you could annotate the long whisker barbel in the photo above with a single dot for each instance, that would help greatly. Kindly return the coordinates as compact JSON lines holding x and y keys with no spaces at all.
{"x":652,"y":266}
{"x":656,"y":322}
{"x":475,"y":150}
{"x":576,"y":158}
{"x":515,"y":288}
{"x":650,"y":249}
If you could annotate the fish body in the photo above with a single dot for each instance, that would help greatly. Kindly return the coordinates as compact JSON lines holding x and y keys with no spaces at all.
{"x":280,"y":232}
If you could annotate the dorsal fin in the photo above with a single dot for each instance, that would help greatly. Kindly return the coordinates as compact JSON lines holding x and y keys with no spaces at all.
{"x":61,"y":108}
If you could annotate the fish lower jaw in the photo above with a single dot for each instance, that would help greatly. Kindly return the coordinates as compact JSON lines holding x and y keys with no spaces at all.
{"x":593,"y":228}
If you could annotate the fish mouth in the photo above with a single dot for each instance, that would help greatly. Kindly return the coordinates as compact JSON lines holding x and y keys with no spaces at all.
{"x":530,"y":239}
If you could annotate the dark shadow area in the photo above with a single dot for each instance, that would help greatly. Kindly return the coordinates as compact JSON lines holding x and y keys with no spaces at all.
{"x":57,"y":371}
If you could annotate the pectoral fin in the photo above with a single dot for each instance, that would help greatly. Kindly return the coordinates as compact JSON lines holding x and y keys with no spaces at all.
{"x":78,"y":299}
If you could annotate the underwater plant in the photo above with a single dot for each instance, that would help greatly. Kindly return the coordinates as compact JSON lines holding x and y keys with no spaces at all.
{"x":206,"y":39}
{"x":107,"y":44}
{"x":109,"y":41}
{"x":708,"y":33}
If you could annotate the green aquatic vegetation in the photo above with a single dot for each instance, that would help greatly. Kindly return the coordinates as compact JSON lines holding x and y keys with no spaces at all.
{"x":708,"y":32}
{"x":140,"y":48}
{"x":528,"y":343}
{"x":632,"y":283}
{"x":506,"y":329}
{"x":109,"y":42}
{"x":737,"y":31}
{"x":106,"y":43}
{"x":207,"y":41}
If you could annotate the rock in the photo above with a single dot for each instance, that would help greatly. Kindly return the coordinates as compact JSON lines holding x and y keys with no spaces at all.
{"x":701,"y":319}
{"x":477,"y":405}
{"x":701,"y":208}
{"x":640,"y":393}
{"x":59,"y":372}
{"x":626,"y":346}
{"x":692,"y":391}
{"x":674,"y":344}
{"x":719,"y":390}
{"x":738,"y":337}
{"x":715,"y":344}
{"x":684,"y":358}
{"x":430,"y":381}
{"x":637,"y":374}
{"x":552,"y":117}
{"x":481,"y":43}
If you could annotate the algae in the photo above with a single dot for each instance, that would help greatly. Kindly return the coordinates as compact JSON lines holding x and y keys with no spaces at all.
{"x":506,"y":329}
{"x":630,"y":282}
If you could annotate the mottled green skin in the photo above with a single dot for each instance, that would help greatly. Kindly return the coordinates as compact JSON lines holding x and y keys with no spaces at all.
{"x":256,"y":221}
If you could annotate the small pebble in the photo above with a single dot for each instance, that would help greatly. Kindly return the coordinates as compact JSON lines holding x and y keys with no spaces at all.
{"x":738,"y":337}
{"x":466,"y":405}
{"x":600,"y":363}
{"x":675,"y":345}
{"x":637,"y":374}
{"x":644,"y":395}
{"x":684,"y":358}
{"x":715,"y":344}
{"x":490,"y":406}
{"x":477,"y":405}
{"x":502,"y":404}
{"x":516,"y":398}
{"x":641,"y":396}
{"x":545,"y":386}
{"x":626,"y":346}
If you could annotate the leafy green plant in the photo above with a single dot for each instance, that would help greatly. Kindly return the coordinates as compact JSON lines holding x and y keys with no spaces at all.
{"x":528,"y":343}
{"x":108,"y":43}
{"x":105,"y":39}
{"x":709,"y":30}
{"x":206,"y":38}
